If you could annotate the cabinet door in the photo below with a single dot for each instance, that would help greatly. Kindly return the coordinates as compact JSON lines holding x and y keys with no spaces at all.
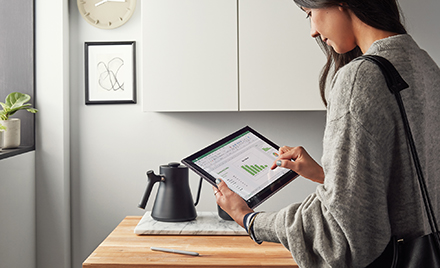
{"x":279,"y":63}
{"x":189,"y":55}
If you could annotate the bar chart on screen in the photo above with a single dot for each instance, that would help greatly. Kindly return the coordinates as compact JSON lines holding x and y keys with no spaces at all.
{"x":254,"y":169}
{"x":253,"y":164}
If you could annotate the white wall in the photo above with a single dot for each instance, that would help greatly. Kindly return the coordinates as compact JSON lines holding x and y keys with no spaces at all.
{"x":17,"y":211}
{"x":422,"y":23}
{"x":52,"y":134}
{"x":112,"y":146}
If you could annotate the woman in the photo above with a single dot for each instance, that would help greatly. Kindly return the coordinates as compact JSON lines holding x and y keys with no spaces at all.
{"x":368,"y":189}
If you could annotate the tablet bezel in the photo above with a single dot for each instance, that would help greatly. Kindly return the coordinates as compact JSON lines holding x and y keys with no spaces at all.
{"x":261,"y":195}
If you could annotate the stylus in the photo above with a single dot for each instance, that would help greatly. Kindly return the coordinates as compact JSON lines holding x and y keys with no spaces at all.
{"x":175,"y":251}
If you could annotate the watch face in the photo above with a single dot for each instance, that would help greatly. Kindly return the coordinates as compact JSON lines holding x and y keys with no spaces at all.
{"x":106,"y":14}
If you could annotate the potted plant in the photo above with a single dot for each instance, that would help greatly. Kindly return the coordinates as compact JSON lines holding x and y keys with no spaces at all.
{"x":14,"y":102}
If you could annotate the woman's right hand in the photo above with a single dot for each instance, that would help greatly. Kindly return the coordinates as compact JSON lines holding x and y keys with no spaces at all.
{"x":298,"y":160}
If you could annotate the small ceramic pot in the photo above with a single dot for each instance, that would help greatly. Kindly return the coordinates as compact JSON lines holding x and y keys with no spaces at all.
{"x":1,"y":139}
{"x":11,"y":136}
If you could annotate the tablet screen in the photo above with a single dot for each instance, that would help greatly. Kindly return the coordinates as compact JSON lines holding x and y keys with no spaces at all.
{"x":243,"y":161}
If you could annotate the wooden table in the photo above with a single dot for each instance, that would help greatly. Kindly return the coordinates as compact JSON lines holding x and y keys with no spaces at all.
{"x":122,"y":248}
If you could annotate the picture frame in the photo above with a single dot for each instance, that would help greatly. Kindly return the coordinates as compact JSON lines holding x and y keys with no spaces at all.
{"x":110,"y":72}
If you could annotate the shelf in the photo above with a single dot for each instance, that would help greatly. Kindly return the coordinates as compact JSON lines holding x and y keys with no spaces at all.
{"x":6,"y":153}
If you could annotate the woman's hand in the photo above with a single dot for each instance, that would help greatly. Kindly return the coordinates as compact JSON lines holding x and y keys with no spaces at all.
{"x":298,"y":160}
{"x":231,"y":202}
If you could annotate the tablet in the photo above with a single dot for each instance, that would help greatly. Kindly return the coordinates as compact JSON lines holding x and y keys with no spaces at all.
{"x":242,"y":160}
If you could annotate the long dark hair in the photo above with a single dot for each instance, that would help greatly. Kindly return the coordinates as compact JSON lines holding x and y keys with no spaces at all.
{"x":380,"y":14}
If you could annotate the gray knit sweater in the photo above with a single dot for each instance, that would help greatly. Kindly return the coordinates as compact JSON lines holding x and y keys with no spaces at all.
{"x":370,"y":190}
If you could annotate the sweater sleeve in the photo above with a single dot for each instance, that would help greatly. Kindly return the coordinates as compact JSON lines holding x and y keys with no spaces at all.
{"x":345,"y":223}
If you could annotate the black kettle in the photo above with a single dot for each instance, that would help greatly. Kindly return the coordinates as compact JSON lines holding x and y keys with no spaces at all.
{"x":174,"y":202}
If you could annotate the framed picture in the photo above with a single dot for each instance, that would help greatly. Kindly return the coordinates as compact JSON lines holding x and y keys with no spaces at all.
{"x":110,"y":72}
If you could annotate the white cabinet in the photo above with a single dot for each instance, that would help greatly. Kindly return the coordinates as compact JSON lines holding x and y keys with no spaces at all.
{"x":228,"y":55}
{"x":279,"y":62}
{"x":189,"y":55}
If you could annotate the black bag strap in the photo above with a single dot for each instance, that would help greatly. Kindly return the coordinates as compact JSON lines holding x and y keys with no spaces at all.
{"x":396,"y":84}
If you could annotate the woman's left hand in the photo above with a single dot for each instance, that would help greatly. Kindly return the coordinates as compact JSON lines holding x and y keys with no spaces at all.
{"x":231,"y":202}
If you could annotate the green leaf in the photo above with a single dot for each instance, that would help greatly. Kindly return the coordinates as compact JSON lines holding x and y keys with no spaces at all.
{"x":5,"y":107}
{"x":3,"y":115}
{"x":16,"y":99}
{"x":32,"y":110}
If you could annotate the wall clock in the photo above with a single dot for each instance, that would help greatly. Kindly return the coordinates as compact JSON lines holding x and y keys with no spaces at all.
{"x":106,"y":14}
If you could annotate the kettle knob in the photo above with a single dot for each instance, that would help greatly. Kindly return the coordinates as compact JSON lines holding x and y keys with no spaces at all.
{"x":174,"y":164}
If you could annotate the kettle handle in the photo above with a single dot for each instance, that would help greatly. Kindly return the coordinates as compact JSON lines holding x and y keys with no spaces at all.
{"x":152,"y":179}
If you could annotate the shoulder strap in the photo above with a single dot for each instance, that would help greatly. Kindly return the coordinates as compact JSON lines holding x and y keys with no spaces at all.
{"x":396,"y":84}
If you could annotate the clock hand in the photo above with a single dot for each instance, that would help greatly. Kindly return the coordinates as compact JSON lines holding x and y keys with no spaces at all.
{"x":100,"y":3}
{"x":105,"y":1}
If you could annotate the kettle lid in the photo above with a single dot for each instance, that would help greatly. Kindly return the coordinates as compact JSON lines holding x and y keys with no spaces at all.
{"x":174,"y":165}
{"x":173,"y":169}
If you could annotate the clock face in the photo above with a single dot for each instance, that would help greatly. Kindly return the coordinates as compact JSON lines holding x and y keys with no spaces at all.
{"x":106,"y":14}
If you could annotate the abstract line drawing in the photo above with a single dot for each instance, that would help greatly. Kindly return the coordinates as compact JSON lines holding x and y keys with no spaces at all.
{"x":108,"y":74}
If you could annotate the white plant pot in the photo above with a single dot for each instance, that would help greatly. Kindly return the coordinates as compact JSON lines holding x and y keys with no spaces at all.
{"x":1,"y":139}
{"x":11,"y":136}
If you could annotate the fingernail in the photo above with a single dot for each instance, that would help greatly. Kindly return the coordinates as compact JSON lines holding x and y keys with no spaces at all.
{"x":217,"y":181}
{"x":279,"y":163}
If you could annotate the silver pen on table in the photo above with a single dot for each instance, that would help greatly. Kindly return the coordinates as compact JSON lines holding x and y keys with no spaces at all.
{"x":192,"y":253}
